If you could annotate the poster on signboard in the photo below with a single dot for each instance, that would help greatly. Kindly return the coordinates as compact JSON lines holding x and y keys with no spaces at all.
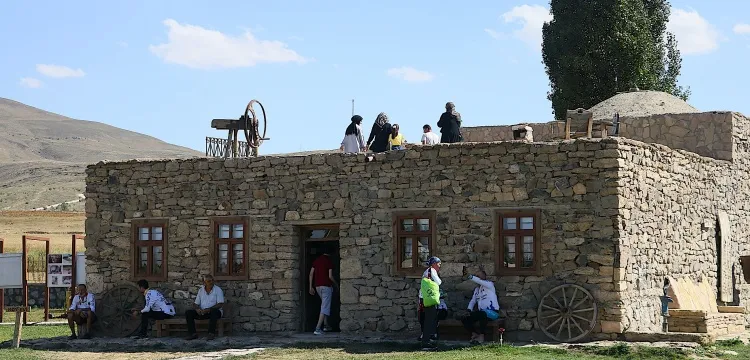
{"x":59,"y":270}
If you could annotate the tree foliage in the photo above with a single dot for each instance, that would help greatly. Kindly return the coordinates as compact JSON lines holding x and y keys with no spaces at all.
{"x":593,"y":49}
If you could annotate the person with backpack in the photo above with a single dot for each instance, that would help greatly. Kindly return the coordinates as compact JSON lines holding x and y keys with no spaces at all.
{"x":429,"y":301}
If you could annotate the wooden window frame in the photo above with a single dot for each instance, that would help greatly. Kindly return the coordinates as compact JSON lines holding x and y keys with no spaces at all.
{"x":501,"y":233}
{"x":418,"y":268}
{"x":215,"y":242}
{"x":136,"y":243}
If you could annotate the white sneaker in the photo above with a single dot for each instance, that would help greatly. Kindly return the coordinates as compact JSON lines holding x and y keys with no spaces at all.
{"x":318,"y":332}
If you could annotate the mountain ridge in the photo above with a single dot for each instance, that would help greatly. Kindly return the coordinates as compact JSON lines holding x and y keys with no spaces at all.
{"x":43,"y":155}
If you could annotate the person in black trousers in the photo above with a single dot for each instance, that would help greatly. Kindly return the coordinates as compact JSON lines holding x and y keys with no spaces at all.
{"x":157,"y":307}
{"x":380,"y":134}
{"x":208,"y":304}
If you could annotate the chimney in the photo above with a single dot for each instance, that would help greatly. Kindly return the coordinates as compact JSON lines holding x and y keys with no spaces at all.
{"x":523,"y":132}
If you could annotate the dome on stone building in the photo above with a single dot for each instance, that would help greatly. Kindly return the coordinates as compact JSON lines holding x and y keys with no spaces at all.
{"x":641,"y":103}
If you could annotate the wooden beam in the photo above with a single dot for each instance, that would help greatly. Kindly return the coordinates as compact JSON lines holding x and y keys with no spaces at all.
{"x":227,"y":124}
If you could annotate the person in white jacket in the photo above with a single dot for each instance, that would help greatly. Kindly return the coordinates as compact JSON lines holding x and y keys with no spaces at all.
{"x":353,"y":141}
{"x":483,"y":306}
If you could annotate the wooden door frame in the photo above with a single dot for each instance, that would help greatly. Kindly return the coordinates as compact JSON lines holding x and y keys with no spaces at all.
{"x":303,"y":240}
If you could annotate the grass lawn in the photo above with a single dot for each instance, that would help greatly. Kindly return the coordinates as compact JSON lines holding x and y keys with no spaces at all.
{"x":34,"y":332}
{"x":726,"y":350}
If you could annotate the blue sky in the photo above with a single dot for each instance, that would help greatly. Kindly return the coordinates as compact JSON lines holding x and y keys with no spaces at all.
{"x":166,"y":68}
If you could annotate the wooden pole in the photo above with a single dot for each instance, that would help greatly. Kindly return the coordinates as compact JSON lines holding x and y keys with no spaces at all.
{"x":24,"y":269}
{"x":74,"y":281}
{"x":2,"y":291}
{"x":17,"y":329}
{"x":18,"y":325}
{"x":46,"y":281}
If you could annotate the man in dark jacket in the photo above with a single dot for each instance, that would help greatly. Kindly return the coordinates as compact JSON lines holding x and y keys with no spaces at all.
{"x":450,"y":125}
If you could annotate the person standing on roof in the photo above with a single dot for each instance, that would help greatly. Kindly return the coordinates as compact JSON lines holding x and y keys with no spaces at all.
{"x":353,"y":141}
{"x":380,"y":134}
{"x":450,"y":124}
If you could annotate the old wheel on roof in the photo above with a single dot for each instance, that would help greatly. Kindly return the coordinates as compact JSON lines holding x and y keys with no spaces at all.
{"x":114,"y":311}
{"x":567,"y":313}
{"x":254,"y":135}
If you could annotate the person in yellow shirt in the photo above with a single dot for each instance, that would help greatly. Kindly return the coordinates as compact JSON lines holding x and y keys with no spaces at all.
{"x":397,"y":140}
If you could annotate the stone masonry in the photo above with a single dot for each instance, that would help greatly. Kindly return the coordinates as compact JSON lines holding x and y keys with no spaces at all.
{"x":617,"y":216}
{"x":701,"y":133}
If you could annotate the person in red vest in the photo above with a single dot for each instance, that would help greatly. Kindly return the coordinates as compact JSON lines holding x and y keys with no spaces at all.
{"x":321,"y":282}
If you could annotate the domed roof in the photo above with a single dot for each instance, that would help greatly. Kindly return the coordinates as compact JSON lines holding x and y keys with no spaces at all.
{"x":641,"y":103}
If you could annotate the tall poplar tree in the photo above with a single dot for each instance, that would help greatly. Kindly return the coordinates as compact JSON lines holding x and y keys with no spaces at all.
{"x":593,"y":49}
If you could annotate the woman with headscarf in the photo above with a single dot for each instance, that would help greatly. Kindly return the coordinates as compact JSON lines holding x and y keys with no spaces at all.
{"x":450,"y":124}
{"x":428,"y":315}
{"x":380,"y":134}
{"x":353,"y":142}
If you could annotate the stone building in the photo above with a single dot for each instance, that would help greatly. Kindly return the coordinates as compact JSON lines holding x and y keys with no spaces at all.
{"x":615,"y":216}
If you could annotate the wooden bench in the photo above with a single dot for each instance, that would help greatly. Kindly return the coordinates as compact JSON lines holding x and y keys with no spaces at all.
{"x":167,"y":327}
{"x":453,"y":329}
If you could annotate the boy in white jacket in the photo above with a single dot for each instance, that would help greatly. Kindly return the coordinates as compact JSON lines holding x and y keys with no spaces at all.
{"x":483,"y":301}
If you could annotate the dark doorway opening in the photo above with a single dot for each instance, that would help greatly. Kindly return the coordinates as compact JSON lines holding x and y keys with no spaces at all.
{"x":315,"y":242}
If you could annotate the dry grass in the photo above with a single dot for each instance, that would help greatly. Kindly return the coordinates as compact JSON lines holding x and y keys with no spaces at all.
{"x":57,"y":226}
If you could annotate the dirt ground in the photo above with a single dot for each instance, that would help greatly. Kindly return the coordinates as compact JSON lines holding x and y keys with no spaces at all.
{"x":57,"y":226}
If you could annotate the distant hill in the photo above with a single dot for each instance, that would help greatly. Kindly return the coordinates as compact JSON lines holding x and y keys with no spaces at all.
{"x":43,"y":155}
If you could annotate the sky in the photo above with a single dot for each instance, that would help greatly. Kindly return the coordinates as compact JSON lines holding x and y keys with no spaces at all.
{"x":166,"y":68}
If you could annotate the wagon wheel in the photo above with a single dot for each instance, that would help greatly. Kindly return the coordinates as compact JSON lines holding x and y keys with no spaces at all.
{"x":567,"y":313}
{"x":253,"y":134}
{"x":114,"y":311}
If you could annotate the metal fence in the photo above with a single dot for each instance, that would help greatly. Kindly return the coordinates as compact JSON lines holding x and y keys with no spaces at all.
{"x":217,"y":147}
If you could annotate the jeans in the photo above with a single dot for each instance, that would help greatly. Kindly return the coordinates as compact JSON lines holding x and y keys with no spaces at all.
{"x":156,"y":315}
{"x":213,"y":316}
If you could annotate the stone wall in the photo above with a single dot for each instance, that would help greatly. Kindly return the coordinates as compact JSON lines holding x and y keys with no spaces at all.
{"x":541,"y":131}
{"x":573,"y":184}
{"x":693,"y":321}
{"x":706,"y":134}
{"x":669,"y":202}
{"x":14,"y":297}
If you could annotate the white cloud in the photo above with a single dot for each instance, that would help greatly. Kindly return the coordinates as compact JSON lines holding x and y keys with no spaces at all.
{"x":296,"y":38}
{"x":122,"y":44}
{"x":30,"y":83}
{"x":201,"y":48}
{"x":410,"y":74}
{"x":58,"y":71}
{"x":694,"y":34}
{"x":532,"y":17}
{"x":494,"y":34}
{"x":742,"y":29}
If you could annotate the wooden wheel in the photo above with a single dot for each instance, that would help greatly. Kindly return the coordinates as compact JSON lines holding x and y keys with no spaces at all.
{"x":567,"y":313}
{"x":114,"y":317}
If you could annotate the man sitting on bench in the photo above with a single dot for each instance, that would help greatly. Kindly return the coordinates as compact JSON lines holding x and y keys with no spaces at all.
{"x":483,"y":306}
{"x":207,"y":305}
{"x":157,"y":307}
{"x":82,"y":310}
